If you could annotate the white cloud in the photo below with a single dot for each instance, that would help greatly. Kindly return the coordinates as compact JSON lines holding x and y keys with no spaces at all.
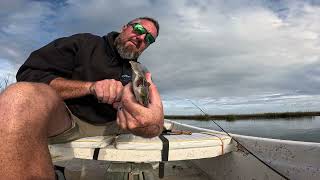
{"x":23,"y":29}
{"x":235,"y":51}
{"x":205,"y":48}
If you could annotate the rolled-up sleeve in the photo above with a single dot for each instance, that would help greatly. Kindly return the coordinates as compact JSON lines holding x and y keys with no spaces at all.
{"x":57,"y":59}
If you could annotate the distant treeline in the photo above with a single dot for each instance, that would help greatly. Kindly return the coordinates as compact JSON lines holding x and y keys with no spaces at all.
{"x":232,"y":117}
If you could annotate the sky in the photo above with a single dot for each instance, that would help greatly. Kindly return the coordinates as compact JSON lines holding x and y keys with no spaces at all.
{"x":245,"y":56}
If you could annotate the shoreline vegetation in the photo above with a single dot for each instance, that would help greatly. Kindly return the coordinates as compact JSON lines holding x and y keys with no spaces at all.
{"x":233,"y":117}
{"x":4,"y":82}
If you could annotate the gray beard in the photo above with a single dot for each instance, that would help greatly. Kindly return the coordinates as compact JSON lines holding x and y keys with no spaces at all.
{"x":125,"y":52}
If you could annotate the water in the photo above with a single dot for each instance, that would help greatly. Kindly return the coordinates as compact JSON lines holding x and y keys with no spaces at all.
{"x":298,"y":129}
{"x":259,"y":103}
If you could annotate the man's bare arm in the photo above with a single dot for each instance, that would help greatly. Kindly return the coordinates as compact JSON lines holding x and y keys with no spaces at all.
{"x":68,"y":89}
{"x":106,"y":91}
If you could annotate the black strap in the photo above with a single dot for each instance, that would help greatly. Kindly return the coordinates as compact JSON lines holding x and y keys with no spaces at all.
{"x":161,"y":170}
{"x":166,"y":131}
{"x":96,"y":153}
{"x":59,"y":172}
{"x":164,"y":154}
{"x":165,"y":148}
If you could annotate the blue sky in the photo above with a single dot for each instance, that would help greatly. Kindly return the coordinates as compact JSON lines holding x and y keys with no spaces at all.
{"x":210,"y":51}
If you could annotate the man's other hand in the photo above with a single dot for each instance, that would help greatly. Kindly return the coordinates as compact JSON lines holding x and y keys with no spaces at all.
{"x":107,"y":91}
{"x":140,"y":120}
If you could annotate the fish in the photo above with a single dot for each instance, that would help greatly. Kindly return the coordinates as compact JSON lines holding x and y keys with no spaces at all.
{"x":140,"y":85}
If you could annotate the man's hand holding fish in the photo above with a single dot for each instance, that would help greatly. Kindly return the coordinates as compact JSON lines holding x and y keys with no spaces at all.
{"x":140,"y":120}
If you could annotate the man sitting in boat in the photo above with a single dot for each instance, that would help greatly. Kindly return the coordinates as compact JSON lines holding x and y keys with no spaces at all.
{"x":75,"y":87}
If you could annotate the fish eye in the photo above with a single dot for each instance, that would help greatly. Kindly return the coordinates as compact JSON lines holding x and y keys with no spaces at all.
{"x":139,"y":82}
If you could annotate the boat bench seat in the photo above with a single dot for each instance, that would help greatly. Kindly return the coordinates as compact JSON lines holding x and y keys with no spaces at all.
{"x":131,"y":148}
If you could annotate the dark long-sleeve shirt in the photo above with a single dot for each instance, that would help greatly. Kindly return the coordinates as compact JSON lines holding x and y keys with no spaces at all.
{"x":83,"y":57}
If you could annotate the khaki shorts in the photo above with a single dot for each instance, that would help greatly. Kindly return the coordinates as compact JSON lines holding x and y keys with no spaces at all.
{"x":80,"y":129}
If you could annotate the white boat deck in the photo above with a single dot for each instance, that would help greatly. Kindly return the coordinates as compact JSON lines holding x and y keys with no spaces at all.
{"x":130,"y":148}
{"x":126,"y":154}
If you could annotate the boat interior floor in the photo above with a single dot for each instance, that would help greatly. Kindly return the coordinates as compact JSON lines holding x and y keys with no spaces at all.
{"x":82,"y":169}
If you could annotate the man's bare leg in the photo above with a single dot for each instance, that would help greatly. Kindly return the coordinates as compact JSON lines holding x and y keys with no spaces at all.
{"x":29,"y":113}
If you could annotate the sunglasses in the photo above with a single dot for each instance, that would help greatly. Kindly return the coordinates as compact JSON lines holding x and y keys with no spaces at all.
{"x":139,"y":29}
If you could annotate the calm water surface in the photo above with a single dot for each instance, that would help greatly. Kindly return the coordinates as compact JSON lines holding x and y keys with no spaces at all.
{"x":298,"y":129}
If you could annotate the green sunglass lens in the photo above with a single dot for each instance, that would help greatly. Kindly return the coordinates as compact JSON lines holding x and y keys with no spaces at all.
{"x":139,"y":29}
{"x":149,"y":38}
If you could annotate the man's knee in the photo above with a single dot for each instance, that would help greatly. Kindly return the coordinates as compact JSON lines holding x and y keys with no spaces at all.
{"x":28,"y":99}
{"x":30,"y":93}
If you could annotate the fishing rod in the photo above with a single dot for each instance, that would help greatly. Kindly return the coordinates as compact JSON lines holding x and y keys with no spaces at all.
{"x":207,"y":116}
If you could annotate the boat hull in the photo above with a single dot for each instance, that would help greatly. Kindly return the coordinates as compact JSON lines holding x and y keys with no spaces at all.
{"x":293,"y":159}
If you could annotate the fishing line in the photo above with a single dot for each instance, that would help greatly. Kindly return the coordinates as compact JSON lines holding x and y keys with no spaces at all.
{"x":276,"y":171}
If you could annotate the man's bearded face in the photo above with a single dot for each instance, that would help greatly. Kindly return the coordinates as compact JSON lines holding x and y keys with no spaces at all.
{"x":130,"y":44}
{"x":126,"y":50}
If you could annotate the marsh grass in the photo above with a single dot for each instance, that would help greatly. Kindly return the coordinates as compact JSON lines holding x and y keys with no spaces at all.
{"x":4,"y":82}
